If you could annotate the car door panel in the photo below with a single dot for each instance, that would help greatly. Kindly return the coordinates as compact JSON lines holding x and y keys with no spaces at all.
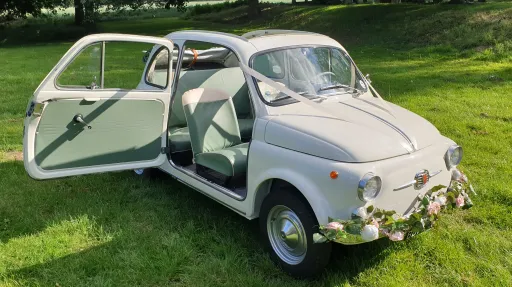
{"x":128,"y":126}
{"x":126,"y":133}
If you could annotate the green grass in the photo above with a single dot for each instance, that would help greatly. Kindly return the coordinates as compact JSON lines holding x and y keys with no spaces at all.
{"x":451,"y":65}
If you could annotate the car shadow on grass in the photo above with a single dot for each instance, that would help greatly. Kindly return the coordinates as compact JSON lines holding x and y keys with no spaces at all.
{"x":117,"y":229}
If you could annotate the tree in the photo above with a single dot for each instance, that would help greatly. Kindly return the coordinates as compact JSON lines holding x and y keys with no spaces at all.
{"x":79,"y":12}
{"x":86,"y":10}
{"x":253,"y":9}
{"x":10,"y":9}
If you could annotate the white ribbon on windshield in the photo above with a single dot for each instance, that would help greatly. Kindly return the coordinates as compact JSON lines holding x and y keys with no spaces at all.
{"x":288,"y":92}
{"x":316,"y":106}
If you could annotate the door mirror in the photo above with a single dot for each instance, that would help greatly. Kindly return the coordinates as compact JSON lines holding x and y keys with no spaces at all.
{"x":368,"y":78}
{"x":146,"y":56}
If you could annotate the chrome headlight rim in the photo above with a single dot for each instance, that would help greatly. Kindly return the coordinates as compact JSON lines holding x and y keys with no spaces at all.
{"x":448,"y":156}
{"x":361,"y":187}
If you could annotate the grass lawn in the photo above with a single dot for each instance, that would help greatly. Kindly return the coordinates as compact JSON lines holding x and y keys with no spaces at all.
{"x":450,"y":64}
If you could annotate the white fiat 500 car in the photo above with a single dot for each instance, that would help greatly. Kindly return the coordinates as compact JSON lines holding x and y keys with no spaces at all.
{"x":276,"y":125}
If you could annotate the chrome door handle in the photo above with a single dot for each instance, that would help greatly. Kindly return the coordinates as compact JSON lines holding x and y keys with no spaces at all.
{"x":80,"y":119}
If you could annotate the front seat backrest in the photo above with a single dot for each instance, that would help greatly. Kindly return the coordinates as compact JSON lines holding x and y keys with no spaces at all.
{"x":230,"y":80}
{"x":211,"y":120}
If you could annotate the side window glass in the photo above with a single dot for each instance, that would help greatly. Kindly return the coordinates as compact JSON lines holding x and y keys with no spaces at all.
{"x":118,"y":65}
{"x":158,"y":68}
{"x":124,"y":64}
{"x":270,"y":65}
{"x":341,"y":66}
{"x":84,"y":71}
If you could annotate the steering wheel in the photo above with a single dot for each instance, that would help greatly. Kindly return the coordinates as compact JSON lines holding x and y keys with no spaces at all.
{"x":323,"y":74}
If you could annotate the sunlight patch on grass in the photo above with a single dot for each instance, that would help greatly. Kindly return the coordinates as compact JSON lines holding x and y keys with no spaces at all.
{"x":56,"y":241}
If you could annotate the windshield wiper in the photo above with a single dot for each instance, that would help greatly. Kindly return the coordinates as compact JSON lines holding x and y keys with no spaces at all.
{"x":340,"y":86}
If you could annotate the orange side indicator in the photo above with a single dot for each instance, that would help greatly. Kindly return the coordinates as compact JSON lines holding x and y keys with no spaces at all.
{"x":334,"y":174}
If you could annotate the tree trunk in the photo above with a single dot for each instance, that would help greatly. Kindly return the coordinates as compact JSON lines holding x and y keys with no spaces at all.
{"x":89,"y":11}
{"x":79,"y":12}
{"x":254,"y":9}
{"x":294,"y":2}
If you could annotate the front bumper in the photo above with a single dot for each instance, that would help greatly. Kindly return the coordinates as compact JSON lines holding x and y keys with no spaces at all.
{"x":370,"y":223}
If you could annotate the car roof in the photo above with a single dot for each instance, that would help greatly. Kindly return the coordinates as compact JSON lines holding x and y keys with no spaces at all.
{"x":255,"y":41}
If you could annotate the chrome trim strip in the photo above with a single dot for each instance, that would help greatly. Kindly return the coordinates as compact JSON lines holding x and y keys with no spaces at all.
{"x":411,"y":183}
{"x":397,"y":129}
{"x":436,"y":173}
{"x":203,"y":180}
{"x":209,"y":196}
{"x":375,"y":105}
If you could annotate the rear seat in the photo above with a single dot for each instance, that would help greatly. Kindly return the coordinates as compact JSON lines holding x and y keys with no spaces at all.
{"x":230,"y":80}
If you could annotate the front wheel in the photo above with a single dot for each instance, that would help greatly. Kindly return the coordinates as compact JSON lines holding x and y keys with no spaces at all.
{"x":287,"y":224}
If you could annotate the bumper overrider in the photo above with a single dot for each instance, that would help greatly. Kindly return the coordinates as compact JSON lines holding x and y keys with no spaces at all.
{"x":370,"y":223}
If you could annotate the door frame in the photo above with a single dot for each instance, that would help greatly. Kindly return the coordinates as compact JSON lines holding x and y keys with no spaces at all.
{"x":48,"y":92}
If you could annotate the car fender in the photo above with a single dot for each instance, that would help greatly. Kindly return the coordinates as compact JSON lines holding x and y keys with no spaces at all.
{"x":301,"y":182}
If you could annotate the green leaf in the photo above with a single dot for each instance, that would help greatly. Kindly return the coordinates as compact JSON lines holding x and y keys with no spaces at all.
{"x":437,"y":188}
{"x":425,"y":201}
{"x":378,"y":214}
{"x":389,"y":212}
{"x":319,"y":238}
{"x":450,"y":196}
{"x":369,"y":209}
{"x":353,"y":228}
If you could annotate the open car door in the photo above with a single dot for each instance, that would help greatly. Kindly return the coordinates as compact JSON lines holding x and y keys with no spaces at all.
{"x":103,"y":107}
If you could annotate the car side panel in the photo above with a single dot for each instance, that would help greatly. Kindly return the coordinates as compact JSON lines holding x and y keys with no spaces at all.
{"x":126,"y":133}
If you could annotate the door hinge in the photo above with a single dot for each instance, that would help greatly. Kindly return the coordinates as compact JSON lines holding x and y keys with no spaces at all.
{"x":165,"y":150}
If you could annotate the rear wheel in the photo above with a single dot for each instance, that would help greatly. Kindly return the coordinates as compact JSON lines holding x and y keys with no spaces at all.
{"x":287,"y":224}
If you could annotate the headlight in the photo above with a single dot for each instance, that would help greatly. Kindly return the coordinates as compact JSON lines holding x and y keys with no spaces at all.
{"x":453,"y":156}
{"x":369,"y":187}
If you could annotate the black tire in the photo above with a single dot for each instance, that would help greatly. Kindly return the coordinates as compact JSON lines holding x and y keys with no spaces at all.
{"x":317,"y":254}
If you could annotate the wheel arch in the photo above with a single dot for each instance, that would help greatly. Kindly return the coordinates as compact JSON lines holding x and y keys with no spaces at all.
{"x":307,"y":190}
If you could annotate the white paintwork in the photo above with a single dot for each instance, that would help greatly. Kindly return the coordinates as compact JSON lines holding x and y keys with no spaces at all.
{"x":301,"y":145}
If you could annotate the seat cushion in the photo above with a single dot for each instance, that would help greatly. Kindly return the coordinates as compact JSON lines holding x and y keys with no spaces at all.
{"x":245,"y":126}
{"x":179,"y":139}
{"x":231,"y":161}
{"x":211,"y":120}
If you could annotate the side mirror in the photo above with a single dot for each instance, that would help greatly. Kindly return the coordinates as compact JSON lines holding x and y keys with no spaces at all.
{"x":146,"y":56}
{"x":368,"y":78}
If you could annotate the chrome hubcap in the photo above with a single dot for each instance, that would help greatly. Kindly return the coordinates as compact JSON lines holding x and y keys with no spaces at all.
{"x":286,"y":235}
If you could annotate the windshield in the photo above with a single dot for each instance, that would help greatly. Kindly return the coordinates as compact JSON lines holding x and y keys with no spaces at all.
{"x":313,"y":72}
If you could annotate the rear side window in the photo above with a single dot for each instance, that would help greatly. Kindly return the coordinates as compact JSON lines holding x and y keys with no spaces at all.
{"x":158,"y":69}
{"x":117,"y":65}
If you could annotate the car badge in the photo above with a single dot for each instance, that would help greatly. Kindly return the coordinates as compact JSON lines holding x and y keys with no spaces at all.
{"x":421,"y":179}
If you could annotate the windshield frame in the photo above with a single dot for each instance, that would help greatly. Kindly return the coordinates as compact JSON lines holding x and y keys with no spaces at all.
{"x":289,"y":100}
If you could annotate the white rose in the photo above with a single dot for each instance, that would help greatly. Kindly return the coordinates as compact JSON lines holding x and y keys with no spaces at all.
{"x":441,"y":200}
{"x":370,"y":233}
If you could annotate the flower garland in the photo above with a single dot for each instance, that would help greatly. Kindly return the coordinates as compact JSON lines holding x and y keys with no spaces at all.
{"x":371,"y":223}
